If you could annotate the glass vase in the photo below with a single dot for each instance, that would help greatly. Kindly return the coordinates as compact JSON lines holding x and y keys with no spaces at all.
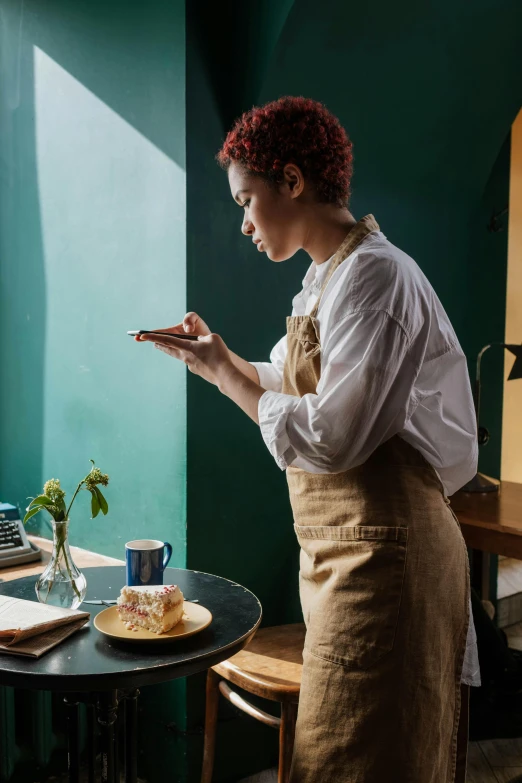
{"x":62,"y":583}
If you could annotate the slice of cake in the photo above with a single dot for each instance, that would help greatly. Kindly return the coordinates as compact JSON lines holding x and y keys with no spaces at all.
{"x":158,"y":608}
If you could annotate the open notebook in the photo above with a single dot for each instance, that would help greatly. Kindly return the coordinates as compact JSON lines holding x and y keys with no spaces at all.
{"x":30,"y":628}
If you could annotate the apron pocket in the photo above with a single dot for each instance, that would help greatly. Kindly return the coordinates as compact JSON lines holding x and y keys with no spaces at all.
{"x":351,"y":581}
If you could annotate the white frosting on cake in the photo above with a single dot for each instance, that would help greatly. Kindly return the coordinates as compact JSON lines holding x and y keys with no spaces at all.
{"x":144,"y":593}
{"x":156,"y":607}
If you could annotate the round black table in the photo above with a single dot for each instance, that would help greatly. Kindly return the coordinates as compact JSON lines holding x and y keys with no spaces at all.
{"x":103,"y":672}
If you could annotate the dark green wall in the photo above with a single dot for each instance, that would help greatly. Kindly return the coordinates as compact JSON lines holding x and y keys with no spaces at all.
{"x":428,"y":95}
{"x":92,"y":233}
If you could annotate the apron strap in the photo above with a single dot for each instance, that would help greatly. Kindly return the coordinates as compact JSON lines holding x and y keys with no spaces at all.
{"x":354,"y":238}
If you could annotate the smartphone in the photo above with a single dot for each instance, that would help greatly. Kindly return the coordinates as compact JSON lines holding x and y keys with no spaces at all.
{"x":169,"y":334}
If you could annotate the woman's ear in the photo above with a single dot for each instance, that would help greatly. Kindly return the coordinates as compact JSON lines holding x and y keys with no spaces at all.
{"x":293,"y":179}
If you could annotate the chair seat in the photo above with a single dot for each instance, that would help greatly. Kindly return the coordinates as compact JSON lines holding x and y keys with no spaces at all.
{"x":270,"y":665}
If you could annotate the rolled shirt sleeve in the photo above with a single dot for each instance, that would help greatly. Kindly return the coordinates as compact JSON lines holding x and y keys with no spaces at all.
{"x":271,"y":373}
{"x":365,"y":396}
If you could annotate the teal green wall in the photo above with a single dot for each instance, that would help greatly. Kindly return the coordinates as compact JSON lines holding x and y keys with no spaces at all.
{"x":93,"y":243}
{"x":92,"y":233}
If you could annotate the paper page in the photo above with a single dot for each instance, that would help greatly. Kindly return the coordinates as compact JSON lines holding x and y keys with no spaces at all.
{"x":38,"y":645}
{"x":20,"y":619}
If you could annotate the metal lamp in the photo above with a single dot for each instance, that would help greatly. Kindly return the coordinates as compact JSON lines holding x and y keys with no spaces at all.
{"x":479,"y":482}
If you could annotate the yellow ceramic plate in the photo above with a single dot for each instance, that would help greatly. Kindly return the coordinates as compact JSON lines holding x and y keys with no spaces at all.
{"x":195,"y":619}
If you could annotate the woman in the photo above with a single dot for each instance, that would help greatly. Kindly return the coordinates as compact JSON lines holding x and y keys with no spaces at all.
{"x":366,"y":405}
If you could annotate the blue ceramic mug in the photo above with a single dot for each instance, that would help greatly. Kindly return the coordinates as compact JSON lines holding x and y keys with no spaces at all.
{"x":146,"y":560}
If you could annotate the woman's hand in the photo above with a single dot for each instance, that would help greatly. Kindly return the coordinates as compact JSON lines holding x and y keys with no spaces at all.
{"x":207,"y":357}
{"x":210,"y":358}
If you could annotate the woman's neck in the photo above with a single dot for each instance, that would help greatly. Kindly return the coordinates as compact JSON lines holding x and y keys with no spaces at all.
{"x":326,"y":227}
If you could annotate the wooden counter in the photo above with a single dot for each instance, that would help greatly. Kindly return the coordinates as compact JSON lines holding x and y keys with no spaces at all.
{"x":82,"y":557}
{"x":492,"y":522}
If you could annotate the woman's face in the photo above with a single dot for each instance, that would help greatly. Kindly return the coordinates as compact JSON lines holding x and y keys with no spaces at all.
{"x":271,"y":215}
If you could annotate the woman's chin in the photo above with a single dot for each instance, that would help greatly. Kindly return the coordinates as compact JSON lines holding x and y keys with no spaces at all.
{"x":273,"y":256}
{"x":277,"y":257}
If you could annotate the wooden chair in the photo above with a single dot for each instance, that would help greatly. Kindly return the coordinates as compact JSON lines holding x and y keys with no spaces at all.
{"x":269,"y":666}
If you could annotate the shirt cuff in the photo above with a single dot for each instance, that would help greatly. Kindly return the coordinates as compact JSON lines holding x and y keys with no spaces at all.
{"x":273,"y":412}
{"x":269,"y":377}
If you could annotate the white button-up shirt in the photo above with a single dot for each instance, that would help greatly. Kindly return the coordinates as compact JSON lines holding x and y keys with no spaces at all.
{"x":391,"y":364}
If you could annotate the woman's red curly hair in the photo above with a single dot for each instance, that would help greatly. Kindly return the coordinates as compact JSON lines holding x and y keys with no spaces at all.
{"x":293,"y":130}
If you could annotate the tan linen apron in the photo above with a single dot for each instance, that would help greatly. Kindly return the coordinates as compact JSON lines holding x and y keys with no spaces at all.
{"x":384,"y":585}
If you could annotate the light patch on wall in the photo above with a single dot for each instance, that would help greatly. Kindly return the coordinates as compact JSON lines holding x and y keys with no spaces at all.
{"x":512,"y":415}
{"x":113,"y":216}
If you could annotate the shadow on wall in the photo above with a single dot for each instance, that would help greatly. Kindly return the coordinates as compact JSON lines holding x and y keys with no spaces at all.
{"x":486,"y":286}
{"x":22,"y":286}
{"x":236,"y":47}
{"x":144,"y":65}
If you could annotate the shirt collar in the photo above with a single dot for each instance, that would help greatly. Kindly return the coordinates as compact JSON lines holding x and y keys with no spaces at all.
{"x":316,"y":273}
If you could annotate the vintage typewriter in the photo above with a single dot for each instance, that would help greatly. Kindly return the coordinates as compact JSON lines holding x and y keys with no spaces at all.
{"x":15,"y":548}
